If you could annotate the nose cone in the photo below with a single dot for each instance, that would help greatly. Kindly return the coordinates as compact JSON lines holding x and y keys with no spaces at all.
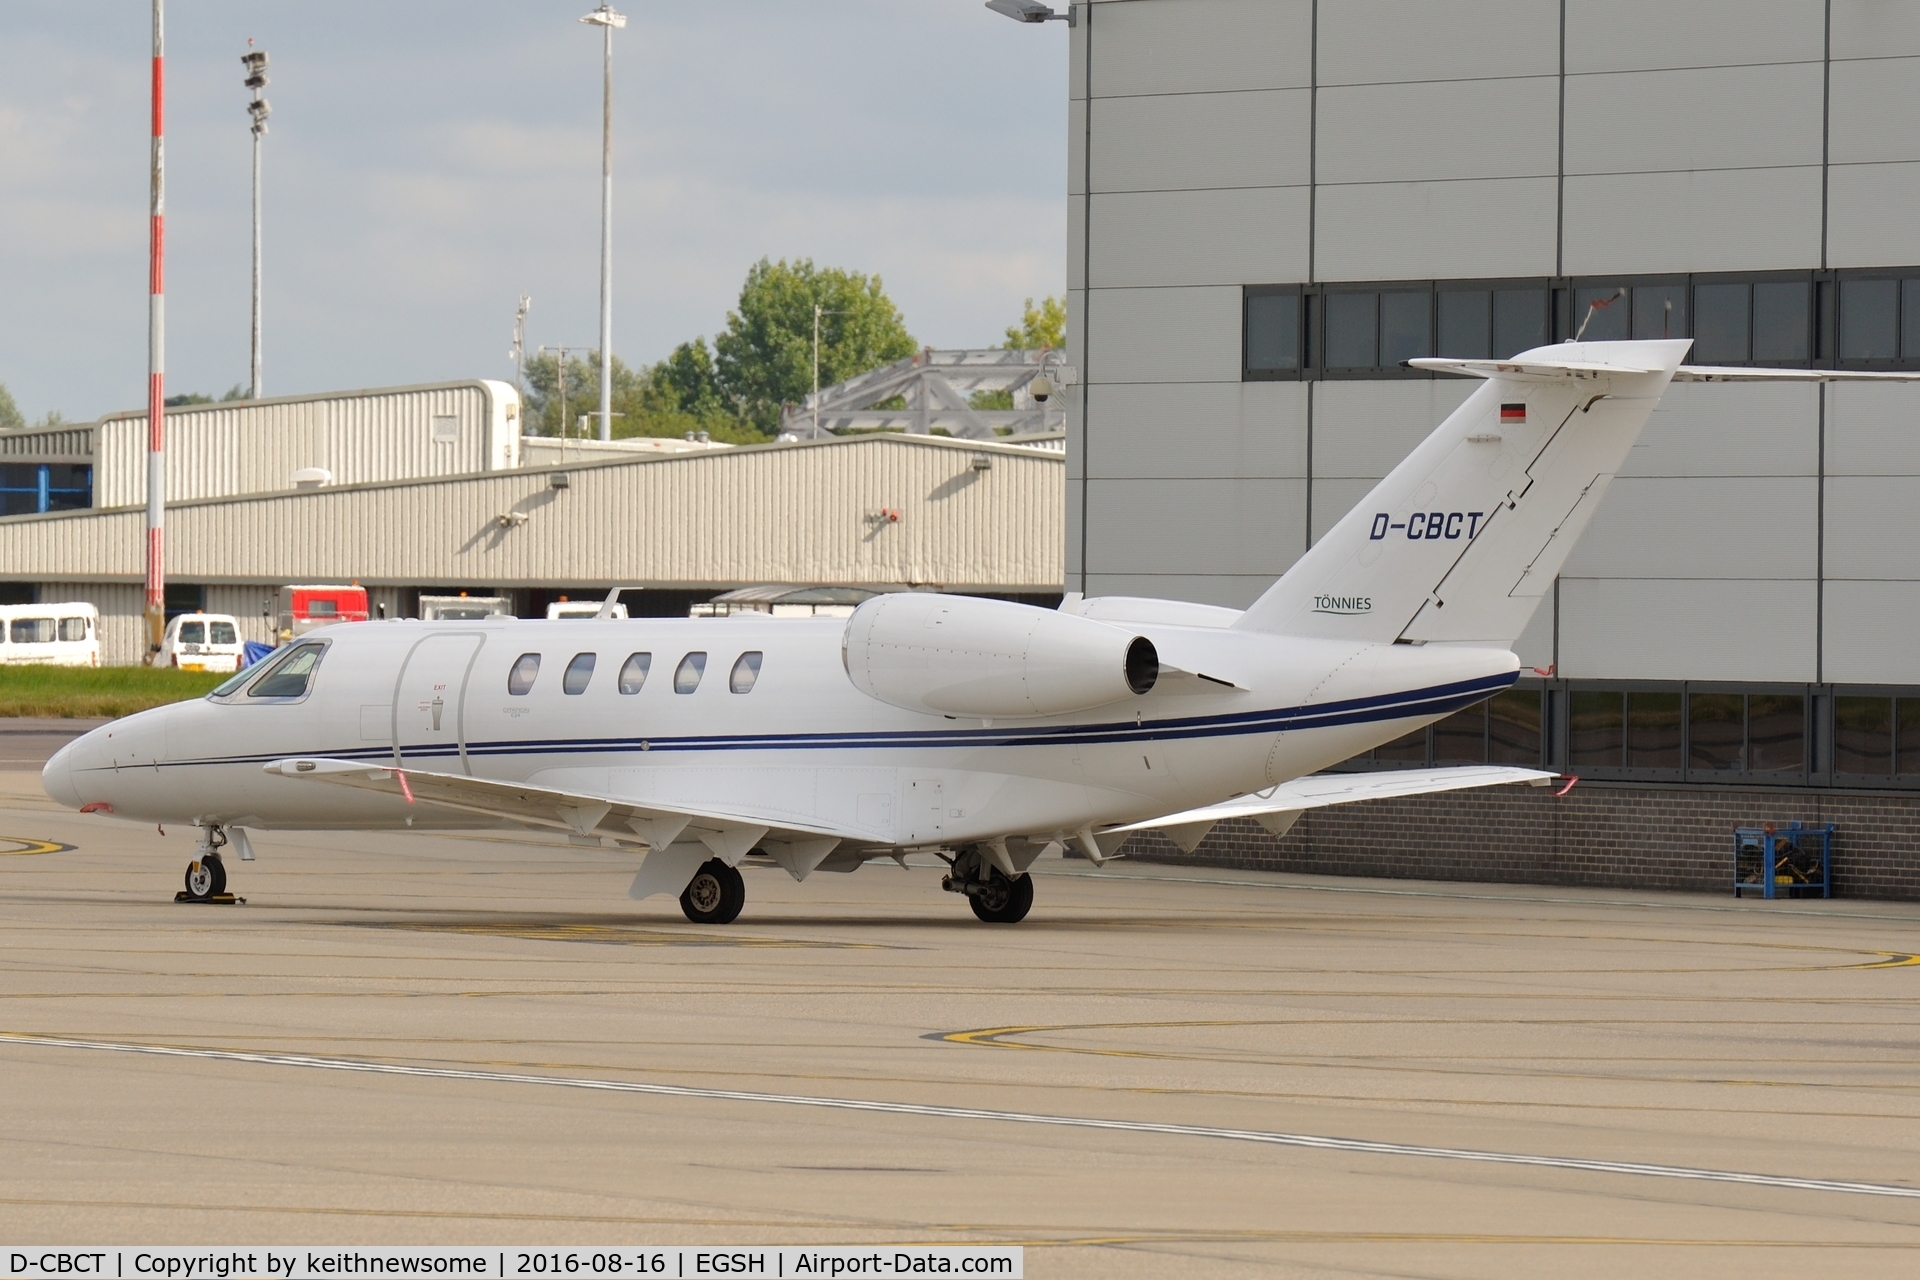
{"x":57,"y":778}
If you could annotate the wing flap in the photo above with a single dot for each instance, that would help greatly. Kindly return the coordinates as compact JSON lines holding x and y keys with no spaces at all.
{"x":1278,"y":808}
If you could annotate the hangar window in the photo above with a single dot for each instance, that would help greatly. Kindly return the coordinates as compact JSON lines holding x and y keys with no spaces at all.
{"x":1271,"y":342}
{"x":1507,"y":728}
{"x":521,"y":677}
{"x":1869,"y":319}
{"x":686,"y":676}
{"x":1702,"y":734}
{"x":1876,"y":738}
{"x":579,"y":673}
{"x":633,"y":672}
{"x":746,"y":670}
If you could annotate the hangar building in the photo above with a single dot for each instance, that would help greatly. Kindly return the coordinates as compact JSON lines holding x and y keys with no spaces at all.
{"x":430,"y":489}
{"x":1274,"y":202}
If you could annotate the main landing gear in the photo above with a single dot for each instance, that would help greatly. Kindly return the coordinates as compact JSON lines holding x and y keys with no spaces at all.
{"x":715,"y":894}
{"x":206,"y":879}
{"x":995,"y":897}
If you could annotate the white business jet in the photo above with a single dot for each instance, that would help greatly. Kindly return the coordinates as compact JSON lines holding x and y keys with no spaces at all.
{"x":983,"y":732}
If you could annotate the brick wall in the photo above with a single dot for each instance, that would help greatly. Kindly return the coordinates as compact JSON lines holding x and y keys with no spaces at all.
{"x":1597,"y":836}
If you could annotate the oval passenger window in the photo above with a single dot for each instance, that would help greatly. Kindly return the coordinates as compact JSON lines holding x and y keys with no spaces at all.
{"x":579,"y":673}
{"x":633,"y":672}
{"x":686,"y":677}
{"x":746,"y":669}
{"x":520,"y":679}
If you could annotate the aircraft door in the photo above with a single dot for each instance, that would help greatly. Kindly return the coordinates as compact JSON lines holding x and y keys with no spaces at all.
{"x":429,"y":724}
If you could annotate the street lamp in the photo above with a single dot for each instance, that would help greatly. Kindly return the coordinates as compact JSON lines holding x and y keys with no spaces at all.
{"x":608,"y":21}
{"x":255,"y":61}
{"x":1031,"y":11}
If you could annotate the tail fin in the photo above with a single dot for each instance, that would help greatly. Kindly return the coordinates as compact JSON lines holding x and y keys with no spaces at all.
{"x":1465,"y":536}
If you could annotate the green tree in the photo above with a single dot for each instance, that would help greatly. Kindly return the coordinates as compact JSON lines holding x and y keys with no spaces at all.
{"x":1041,"y":326}
{"x":10,"y":419}
{"x":764,"y":358}
{"x":670,"y":398}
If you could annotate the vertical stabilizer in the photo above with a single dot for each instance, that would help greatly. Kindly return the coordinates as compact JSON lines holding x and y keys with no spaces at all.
{"x":1466,"y":535}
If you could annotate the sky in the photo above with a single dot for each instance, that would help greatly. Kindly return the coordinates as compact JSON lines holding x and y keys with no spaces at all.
{"x":429,"y":161}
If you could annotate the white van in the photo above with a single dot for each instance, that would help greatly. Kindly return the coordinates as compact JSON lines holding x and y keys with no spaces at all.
{"x":62,"y":635}
{"x":201,"y":642}
{"x":582,"y":609}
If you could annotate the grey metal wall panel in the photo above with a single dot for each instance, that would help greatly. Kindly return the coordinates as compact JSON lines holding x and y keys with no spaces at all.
{"x":1076,"y":249}
{"x":1332,"y":499}
{"x":1699,"y":221}
{"x":1873,"y":106}
{"x":1763,"y":528}
{"x":1201,"y":430}
{"x":1685,"y":629}
{"x":1375,"y":41}
{"x":1182,"y":141}
{"x":1875,"y":29}
{"x":1200,"y":237}
{"x":1229,"y":591}
{"x":1872,"y":527}
{"x":1870,"y":631}
{"x":1425,"y":230}
{"x":1703,"y":118}
{"x":1077,"y":146}
{"x":1731,"y":429}
{"x":1163,"y":335}
{"x":1872,"y":431}
{"x":1364,"y":429}
{"x":1871,"y":223}
{"x":1245,"y":527}
{"x":1634,"y":35}
{"x":1534,"y":648}
{"x":1439,"y":130}
{"x":1203,"y":46}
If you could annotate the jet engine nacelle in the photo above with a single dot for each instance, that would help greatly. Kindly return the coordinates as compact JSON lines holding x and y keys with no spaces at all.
{"x":964,"y":656}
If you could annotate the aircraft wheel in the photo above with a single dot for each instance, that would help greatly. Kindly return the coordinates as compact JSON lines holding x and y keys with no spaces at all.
{"x":1005,"y":901}
{"x":715,"y":894}
{"x":206,"y":877}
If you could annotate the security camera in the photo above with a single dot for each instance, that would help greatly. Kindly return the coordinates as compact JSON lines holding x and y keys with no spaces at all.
{"x":1040,"y":388}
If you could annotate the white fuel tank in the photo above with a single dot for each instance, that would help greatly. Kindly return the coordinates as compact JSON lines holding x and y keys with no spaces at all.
{"x":965,"y":656}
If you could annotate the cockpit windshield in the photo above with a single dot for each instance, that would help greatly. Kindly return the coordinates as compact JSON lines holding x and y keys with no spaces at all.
{"x":286,"y":675}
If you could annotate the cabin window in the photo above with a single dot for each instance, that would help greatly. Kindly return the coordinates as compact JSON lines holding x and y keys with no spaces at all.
{"x":746,"y":669}
{"x":74,"y":629}
{"x":633,"y":672}
{"x":217,"y":632}
{"x":686,"y":677}
{"x":520,"y":678}
{"x":323,"y":608}
{"x":32,"y":631}
{"x":193,"y":633}
{"x":289,"y":677}
{"x":579,"y":673}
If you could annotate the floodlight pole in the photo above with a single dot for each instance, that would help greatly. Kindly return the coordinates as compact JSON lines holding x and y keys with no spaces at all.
{"x":818,"y":311}
{"x":156,"y":588}
{"x":255,"y":61}
{"x":607,"y":20}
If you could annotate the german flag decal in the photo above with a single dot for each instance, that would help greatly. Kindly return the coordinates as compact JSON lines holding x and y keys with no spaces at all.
{"x":1513,"y":413}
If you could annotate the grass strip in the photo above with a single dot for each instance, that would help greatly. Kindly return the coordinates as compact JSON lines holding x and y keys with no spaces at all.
{"x":93,"y":692}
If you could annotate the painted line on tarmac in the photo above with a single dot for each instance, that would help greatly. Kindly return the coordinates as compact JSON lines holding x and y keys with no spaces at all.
{"x":1307,"y":1141}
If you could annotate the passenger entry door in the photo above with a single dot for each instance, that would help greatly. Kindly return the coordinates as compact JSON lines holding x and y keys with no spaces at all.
{"x":429,"y":724}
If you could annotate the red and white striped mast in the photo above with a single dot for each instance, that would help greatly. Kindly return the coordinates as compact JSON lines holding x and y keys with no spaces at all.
{"x":156,"y":610}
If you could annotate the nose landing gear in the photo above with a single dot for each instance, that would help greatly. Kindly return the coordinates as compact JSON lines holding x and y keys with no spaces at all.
{"x":206,"y":879}
{"x":995,"y":896}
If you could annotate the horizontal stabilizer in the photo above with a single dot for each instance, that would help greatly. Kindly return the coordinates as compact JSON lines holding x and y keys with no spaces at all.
{"x":1715,"y":373}
{"x":1276,"y":808}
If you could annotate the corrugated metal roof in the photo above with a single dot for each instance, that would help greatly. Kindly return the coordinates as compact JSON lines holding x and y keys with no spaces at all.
{"x":804,"y":513}
{"x":67,"y":444}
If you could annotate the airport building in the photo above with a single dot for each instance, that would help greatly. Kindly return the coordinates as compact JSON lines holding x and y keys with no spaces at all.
{"x":431,"y":490}
{"x":1275,"y":202}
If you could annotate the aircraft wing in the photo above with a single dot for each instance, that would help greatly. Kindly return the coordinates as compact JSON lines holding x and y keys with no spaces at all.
{"x":1277,"y":809}
{"x":679,"y":839}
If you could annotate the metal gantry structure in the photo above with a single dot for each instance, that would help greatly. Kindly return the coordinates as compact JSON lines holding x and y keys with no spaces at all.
{"x":936,"y":389}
